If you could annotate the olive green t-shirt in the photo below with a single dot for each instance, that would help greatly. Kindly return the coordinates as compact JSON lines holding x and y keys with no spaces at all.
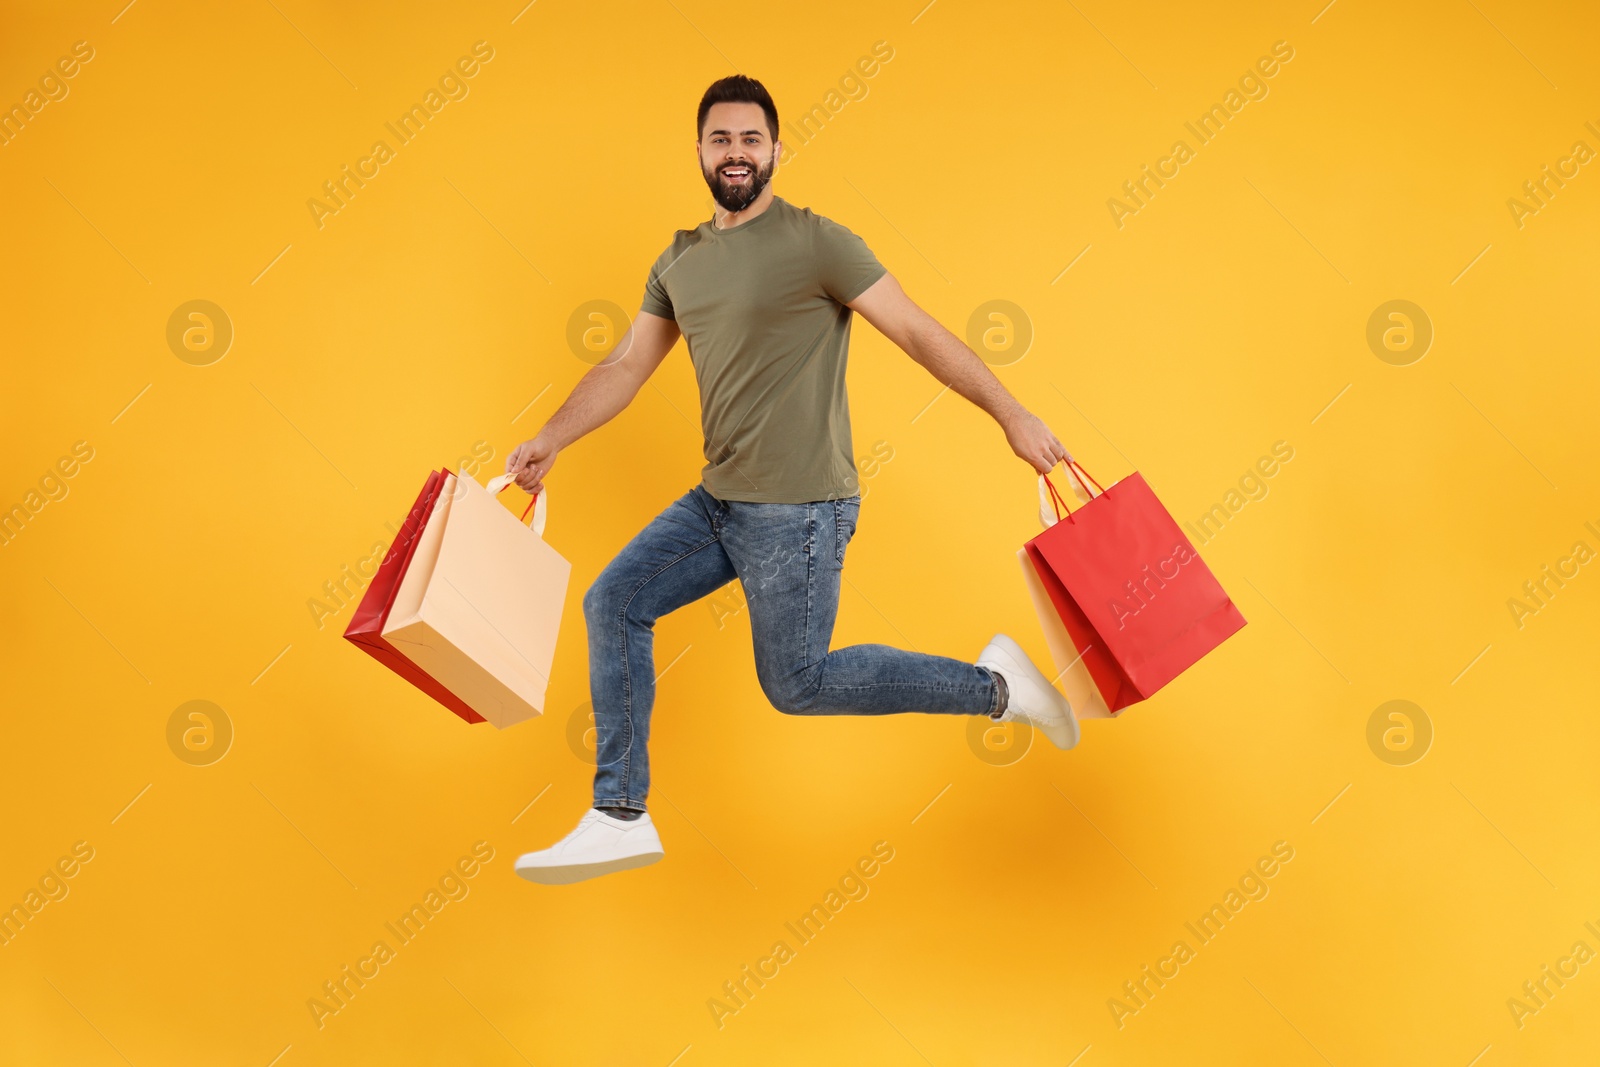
{"x":762,"y":308}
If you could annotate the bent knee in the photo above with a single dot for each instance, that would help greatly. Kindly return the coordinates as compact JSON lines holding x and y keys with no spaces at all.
{"x":792,"y":696}
{"x":619,"y":596}
{"x":604,"y":599}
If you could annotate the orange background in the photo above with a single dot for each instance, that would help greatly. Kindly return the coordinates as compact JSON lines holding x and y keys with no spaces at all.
{"x":1026,"y":884}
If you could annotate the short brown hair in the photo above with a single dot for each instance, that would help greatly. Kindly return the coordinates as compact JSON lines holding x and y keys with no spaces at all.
{"x":737,"y":89}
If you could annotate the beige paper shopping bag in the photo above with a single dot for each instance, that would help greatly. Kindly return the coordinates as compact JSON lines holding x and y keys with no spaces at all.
{"x":480,"y":606}
{"x":1074,"y":679}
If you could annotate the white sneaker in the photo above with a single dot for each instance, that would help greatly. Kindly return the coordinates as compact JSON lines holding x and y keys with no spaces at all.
{"x":598,"y":845}
{"x":1030,"y":696}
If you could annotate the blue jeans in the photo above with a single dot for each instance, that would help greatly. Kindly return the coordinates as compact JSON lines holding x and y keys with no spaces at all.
{"x":788,"y":557}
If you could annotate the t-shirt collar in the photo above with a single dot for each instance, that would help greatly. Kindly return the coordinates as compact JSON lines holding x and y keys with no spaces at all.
{"x":711,"y":223}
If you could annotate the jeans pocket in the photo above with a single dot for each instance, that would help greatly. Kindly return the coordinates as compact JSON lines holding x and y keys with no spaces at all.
{"x":846,"y":512}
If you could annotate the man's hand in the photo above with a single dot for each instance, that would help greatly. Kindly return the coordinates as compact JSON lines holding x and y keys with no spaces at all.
{"x":1031,"y":439}
{"x":530,"y":462}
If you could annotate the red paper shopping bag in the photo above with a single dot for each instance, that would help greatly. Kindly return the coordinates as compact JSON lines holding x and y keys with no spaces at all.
{"x":1140,"y":604}
{"x":366,"y":627}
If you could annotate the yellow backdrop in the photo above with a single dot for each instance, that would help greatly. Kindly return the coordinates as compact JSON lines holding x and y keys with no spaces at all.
{"x":1324,"y":277}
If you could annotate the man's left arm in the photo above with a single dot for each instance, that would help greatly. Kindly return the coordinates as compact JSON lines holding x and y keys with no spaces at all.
{"x":897,"y":317}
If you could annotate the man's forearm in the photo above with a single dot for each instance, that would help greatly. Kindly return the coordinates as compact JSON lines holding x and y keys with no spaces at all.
{"x":956,"y":365}
{"x":598,"y":397}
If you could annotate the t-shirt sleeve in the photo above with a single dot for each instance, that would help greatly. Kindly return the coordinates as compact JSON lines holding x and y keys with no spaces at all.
{"x":656,"y":301}
{"x":846,"y":266}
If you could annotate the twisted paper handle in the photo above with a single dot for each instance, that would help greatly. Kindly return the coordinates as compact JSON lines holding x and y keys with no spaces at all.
{"x":498,"y":484}
{"x":1079,"y":488}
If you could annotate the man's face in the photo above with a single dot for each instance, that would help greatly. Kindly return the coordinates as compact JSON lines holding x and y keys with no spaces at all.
{"x":737,"y":154}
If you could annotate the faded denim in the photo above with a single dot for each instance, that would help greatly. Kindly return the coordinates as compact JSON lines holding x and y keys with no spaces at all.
{"x":789,"y":558}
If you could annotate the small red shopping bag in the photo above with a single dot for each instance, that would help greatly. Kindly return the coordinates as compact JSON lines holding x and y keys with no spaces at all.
{"x":366,"y":627}
{"x":1137,"y":600}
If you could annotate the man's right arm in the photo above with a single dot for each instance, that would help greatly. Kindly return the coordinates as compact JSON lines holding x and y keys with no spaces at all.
{"x":607,"y":388}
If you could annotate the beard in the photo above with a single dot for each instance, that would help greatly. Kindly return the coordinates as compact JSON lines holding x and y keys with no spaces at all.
{"x":734,"y":197}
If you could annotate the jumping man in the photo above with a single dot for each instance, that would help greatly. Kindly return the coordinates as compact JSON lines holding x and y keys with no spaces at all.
{"x":763,"y":293}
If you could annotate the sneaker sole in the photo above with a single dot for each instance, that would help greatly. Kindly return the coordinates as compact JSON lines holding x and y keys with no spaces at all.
{"x":567,"y":873}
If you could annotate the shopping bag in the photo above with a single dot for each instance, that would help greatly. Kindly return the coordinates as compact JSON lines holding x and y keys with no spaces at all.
{"x":479,"y":607}
{"x":1073,"y":675}
{"x":1136,"y":600}
{"x":366,"y":626}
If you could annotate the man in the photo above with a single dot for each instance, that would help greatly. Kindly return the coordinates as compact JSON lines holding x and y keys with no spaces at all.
{"x":763,"y":292}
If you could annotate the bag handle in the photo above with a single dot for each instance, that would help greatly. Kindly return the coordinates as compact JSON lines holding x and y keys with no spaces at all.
{"x":1056,"y":499}
{"x":498,"y":485}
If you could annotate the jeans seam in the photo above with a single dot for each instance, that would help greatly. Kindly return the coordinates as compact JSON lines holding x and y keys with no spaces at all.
{"x":932,"y":688}
{"x":816,"y":693}
{"x":627,"y":700}
{"x":811,"y":552}
{"x":616,"y":802}
{"x":839,"y":513}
